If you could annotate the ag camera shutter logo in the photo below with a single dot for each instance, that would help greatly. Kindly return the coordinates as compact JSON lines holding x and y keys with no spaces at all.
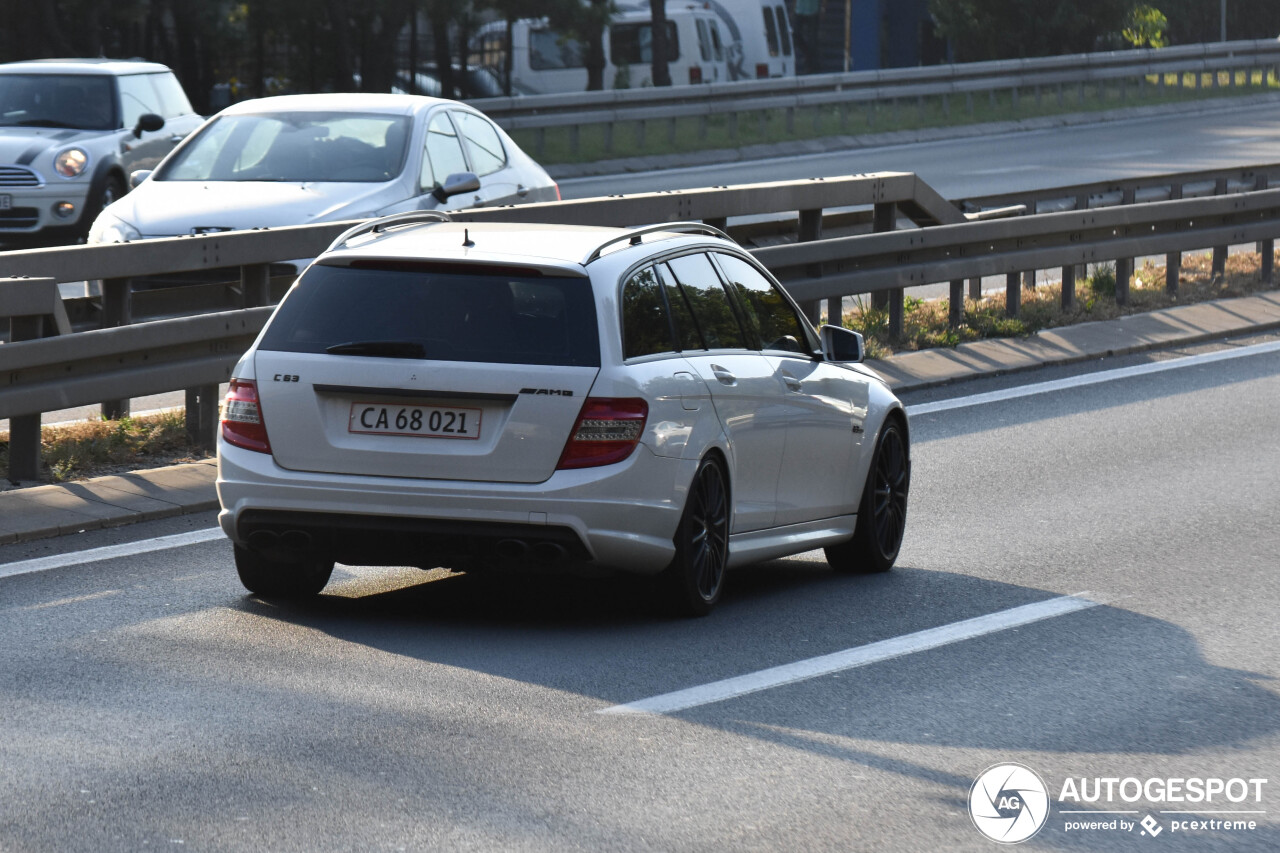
{"x":1009,"y":803}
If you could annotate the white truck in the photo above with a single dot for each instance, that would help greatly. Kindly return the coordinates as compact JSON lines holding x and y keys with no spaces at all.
{"x":545,"y":61}
{"x":759,"y":38}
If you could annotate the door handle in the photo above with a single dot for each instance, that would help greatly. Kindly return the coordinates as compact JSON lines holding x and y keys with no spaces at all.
{"x":522,"y":190}
{"x":724,"y":376}
{"x":791,"y":382}
{"x":176,"y":138}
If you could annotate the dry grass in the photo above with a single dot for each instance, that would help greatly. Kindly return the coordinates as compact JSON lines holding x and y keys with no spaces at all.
{"x":102,"y":447}
{"x":925,"y":322}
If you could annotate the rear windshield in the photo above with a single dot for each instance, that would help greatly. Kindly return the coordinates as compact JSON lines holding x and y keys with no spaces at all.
{"x":453,"y":314}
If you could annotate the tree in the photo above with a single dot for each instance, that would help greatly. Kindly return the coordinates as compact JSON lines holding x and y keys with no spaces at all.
{"x":1192,"y":21}
{"x":586,"y":23}
{"x":1006,"y":29}
{"x":1146,"y":27}
{"x":658,"y":17}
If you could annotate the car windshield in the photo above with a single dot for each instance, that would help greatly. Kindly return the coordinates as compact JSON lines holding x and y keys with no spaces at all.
{"x":77,"y":101}
{"x":308,"y":147}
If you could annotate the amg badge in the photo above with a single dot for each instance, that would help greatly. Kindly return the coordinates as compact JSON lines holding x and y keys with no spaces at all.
{"x":554,"y":392}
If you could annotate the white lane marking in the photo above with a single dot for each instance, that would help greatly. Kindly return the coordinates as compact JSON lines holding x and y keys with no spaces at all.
{"x":932,"y":638}
{"x":1006,"y":170}
{"x":1090,"y":379}
{"x":110,"y":552}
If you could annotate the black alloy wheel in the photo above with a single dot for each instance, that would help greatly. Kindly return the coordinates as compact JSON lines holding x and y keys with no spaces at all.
{"x":882,"y":513}
{"x":695,"y":578}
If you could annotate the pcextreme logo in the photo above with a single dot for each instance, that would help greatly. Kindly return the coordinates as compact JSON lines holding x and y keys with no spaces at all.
{"x":1009,"y":803}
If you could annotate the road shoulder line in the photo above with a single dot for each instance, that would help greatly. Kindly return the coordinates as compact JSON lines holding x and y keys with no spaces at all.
{"x":858,"y":656}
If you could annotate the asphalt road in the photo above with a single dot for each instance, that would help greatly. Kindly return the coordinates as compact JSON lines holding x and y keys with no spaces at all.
{"x":1024,"y":160}
{"x":147,"y":703}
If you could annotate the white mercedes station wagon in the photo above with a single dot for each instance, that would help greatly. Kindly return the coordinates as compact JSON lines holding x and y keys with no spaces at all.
{"x":531,"y":397}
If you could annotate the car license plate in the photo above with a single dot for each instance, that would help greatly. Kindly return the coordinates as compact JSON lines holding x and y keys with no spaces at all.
{"x":6,"y":202}
{"x":420,"y":421}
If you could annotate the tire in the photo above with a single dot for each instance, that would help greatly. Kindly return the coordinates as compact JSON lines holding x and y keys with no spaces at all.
{"x":279,"y":579}
{"x":112,"y":189}
{"x":692,"y":584}
{"x":882,"y":512}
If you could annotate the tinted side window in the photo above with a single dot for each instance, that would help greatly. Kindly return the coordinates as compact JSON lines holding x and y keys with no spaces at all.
{"x":784,"y":32}
{"x":767,"y":310}
{"x":550,"y":51}
{"x":704,"y":41}
{"x":632,"y":44}
{"x":770,"y":31}
{"x":708,"y":301}
{"x":444,"y":153}
{"x":645,"y":326}
{"x":483,"y":142}
{"x":688,"y":336}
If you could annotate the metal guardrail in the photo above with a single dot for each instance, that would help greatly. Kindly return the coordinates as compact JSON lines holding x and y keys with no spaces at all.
{"x":247,"y":255}
{"x":196,"y":352}
{"x":1055,"y":74}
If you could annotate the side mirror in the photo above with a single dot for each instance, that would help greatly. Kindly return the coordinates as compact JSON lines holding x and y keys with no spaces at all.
{"x":149,"y":122}
{"x":839,"y":344}
{"x":138,"y":176}
{"x":462,"y":182}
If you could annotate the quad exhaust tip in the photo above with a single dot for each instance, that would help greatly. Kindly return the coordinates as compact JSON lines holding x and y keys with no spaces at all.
{"x":540,"y":552}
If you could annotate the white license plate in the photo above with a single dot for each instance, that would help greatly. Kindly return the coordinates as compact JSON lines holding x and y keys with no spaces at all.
{"x":421,"y":421}
{"x":6,"y":202}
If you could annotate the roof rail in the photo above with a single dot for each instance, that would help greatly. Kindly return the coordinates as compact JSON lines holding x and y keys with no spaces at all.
{"x":383,"y":223}
{"x":635,"y":235}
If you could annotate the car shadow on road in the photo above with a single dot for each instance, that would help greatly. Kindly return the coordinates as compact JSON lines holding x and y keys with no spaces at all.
{"x":1104,"y":687}
{"x":1117,"y":680}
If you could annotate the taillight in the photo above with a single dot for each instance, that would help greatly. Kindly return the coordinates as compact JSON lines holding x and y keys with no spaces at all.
{"x":695,"y":74}
{"x":762,"y":70}
{"x":242,"y":423}
{"x":557,"y":186}
{"x":607,"y":430}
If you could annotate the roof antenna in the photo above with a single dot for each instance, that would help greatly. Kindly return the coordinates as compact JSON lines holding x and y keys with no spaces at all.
{"x":466,"y":238}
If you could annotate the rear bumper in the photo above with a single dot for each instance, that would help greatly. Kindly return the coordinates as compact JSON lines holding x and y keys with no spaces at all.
{"x":621,"y":516}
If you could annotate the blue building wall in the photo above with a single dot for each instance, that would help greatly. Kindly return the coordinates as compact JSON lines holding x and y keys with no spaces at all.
{"x":882,"y":34}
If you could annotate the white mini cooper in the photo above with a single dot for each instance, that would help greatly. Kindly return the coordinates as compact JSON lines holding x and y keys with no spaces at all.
{"x":470,"y":395}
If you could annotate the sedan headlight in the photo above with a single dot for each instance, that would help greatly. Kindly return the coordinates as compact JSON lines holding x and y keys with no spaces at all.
{"x":109,"y":228}
{"x":71,"y":163}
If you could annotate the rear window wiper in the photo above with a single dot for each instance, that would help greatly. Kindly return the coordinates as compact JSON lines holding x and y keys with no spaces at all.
{"x":385,"y":349}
